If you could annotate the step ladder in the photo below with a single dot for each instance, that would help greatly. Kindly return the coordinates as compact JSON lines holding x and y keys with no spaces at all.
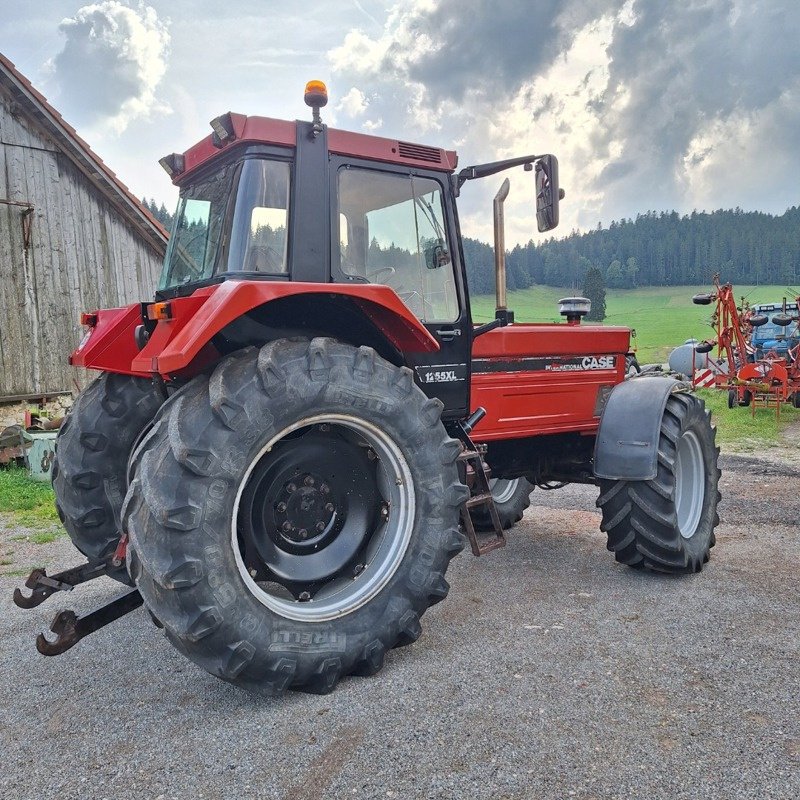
{"x":480,"y":493}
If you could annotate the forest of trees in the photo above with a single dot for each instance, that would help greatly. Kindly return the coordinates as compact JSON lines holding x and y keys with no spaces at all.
{"x":655,"y":249}
{"x":663,"y":249}
{"x":160,"y":212}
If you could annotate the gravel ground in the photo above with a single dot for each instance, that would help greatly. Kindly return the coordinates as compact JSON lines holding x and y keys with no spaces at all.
{"x":549,"y":672}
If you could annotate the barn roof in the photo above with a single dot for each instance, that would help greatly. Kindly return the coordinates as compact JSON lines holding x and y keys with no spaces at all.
{"x":35,"y":105}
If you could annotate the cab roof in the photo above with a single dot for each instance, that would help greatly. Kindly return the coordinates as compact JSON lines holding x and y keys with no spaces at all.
{"x":264,"y":130}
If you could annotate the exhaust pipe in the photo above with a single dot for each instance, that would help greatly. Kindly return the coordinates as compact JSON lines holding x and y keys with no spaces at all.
{"x":501,"y":311}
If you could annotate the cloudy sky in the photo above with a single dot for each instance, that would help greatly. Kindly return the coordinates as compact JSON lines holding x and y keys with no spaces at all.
{"x":648,"y":104}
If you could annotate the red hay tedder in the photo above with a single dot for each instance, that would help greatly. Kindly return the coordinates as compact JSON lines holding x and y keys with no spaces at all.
{"x":289,"y":443}
{"x":769,"y":378}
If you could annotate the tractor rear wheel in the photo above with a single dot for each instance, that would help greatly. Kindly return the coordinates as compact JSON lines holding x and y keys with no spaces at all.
{"x":511,"y":497}
{"x":292,"y":516}
{"x":667,"y":524}
{"x":92,"y":450}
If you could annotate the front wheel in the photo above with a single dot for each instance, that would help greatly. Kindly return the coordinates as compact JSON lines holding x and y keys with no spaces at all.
{"x":667,"y":524}
{"x":294,"y":515}
{"x":511,"y":497}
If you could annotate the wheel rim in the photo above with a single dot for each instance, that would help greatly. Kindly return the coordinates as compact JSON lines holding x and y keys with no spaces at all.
{"x":689,"y":484}
{"x":323,"y":517}
{"x":503,"y":489}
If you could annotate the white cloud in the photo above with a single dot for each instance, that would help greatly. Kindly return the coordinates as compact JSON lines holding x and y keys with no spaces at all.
{"x":354,"y":103}
{"x":112,"y":61}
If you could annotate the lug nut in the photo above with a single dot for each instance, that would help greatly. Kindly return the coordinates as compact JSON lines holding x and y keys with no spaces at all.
{"x":329,"y":507}
{"x":302,"y":533}
{"x":304,"y":597}
{"x":320,"y":526}
{"x":281,"y":507}
{"x":324,"y":427}
{"x":291,"y":488}
{"x":384,"y":511}
{"x":287,"y":526}
{"x":324,"y":488}
{"x":309,"y":481}
{"x":359,"y":568}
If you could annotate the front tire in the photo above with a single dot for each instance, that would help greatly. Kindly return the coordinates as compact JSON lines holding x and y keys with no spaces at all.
{"x":511,"y":498}
{"x":92,"y":450}
{"x":294,"y":514}
{"x":667,"y":524}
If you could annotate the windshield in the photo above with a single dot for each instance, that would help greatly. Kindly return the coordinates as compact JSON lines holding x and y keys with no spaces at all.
{"x":772,"y":331}
{"x":193,"y":245}
{"x":391,"y":231}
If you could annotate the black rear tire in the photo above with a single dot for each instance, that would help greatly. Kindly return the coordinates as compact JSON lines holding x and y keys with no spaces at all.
{"x":203,"y":482}
{"x":90,"y":468}
{"x":665,"y":524}
{"x":511,"y":498}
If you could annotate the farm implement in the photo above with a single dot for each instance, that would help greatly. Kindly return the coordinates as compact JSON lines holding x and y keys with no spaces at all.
{"x":758,"y":349}
{"x":286,"y":447}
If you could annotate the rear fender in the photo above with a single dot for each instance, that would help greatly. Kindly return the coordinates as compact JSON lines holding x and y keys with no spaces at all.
{"x":176,"y":343}
{"x":626,"y":447}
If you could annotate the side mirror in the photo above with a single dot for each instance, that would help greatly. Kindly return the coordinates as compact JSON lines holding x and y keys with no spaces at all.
{"x":548,"y":193}
{"x":436,"y":255}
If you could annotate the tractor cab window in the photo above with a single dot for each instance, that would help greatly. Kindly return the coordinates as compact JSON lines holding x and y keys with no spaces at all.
{"x":196,"y":231}
{"x":392,"y":231}
{"x":258,"y":234}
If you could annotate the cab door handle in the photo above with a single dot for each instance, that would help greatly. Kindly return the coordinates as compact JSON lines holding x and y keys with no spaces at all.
{"x":448,"y":334}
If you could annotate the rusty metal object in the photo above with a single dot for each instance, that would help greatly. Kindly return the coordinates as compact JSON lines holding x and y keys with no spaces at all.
{"x":70,"y":628}
{"x":478,"y":473}
{"x":43,"y":585}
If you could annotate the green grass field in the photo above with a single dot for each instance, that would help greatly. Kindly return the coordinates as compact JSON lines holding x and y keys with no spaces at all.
{"x":663,"y":316}
{"x":741,"y":431}
{"x":29,"y":504}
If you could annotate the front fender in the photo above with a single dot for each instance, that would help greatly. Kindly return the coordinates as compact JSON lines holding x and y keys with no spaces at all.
{"x":626,"y":447}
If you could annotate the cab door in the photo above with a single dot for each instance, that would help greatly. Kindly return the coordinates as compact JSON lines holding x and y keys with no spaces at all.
{"x":395,"y":229}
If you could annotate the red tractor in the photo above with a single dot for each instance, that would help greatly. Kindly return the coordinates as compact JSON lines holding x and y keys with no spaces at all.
{"x":286,"y":448}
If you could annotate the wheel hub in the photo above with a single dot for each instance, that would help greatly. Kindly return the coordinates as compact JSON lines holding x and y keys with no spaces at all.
{"x":333,"y":471}
{"x":305,"y":510}
{"x":304,"y":525}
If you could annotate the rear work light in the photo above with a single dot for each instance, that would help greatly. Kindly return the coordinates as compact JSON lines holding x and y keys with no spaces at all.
{"x":173,"y":164}
{"x":90,"y":320}
{"x":159,"y":311}
{"x":224,"y":131}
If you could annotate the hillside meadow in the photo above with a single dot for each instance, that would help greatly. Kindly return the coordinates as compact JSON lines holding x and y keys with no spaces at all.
{"x":663,"y":316}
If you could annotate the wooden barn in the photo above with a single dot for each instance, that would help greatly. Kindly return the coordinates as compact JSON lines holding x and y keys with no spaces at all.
{"x":72,"y":239}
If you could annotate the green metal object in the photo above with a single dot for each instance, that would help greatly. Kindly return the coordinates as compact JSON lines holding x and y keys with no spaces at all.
{"x":41,"y":453}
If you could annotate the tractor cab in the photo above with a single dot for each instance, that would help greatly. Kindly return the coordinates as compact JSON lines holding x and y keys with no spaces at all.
{"x":772,"y":336}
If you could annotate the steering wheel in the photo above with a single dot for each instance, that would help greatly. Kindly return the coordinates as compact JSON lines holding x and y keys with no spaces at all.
{"x":373,"y":276}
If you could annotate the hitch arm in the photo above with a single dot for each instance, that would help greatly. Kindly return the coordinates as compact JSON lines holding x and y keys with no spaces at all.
{"x":70,"y":628}
{"x":43,"y":585}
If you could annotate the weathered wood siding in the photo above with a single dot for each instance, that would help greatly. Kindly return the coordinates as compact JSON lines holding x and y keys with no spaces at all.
{"x":82,"y":255}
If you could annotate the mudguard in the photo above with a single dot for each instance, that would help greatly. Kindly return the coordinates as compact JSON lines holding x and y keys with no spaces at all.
{"x":626,"y":447}
{"x":177,"y":341}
